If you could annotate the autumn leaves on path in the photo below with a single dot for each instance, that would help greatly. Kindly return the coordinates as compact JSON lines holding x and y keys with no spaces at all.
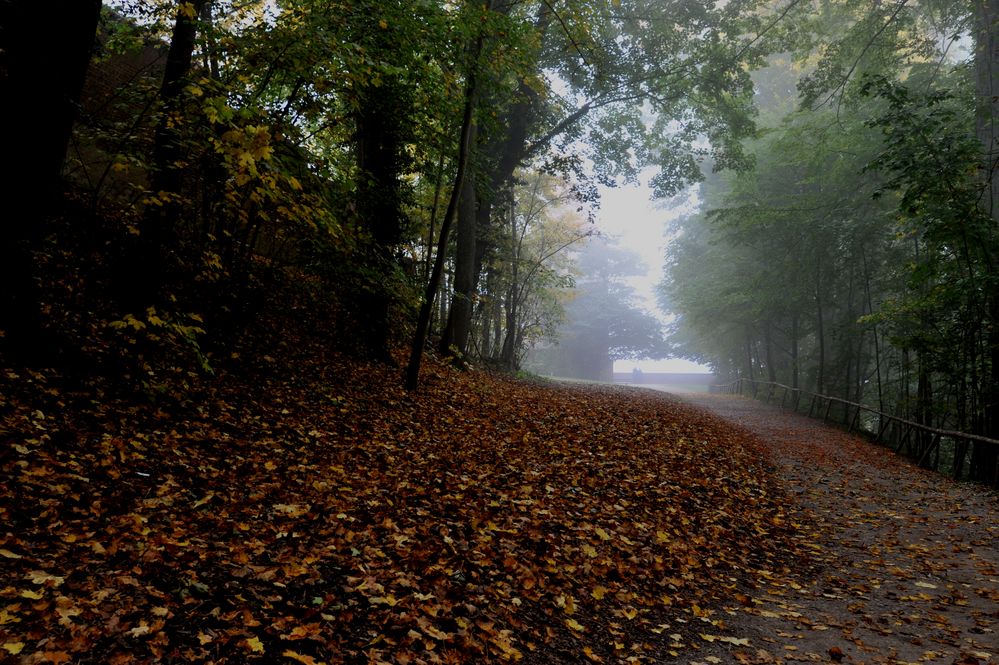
{"x":908,"y":560}
{"x":327,"y":516}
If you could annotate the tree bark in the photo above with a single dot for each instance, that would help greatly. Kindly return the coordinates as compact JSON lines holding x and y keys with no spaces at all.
{"x":454,"y":339}
{"x":45,"y":49}
{"x":510,"y":147}
{"x":464,"y":150}
{"x":984,"y":458}
{"x":820,"y":380}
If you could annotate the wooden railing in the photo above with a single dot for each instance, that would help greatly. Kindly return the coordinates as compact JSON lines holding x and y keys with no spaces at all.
{"x":891,"y":429}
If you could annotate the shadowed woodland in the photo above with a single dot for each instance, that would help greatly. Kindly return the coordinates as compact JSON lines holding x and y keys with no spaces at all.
{"x":273,"y":271}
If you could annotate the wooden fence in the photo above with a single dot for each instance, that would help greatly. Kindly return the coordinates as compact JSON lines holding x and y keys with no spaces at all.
{"x":932,"y":447}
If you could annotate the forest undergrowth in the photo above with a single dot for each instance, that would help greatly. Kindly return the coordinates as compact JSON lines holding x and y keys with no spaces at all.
{"x":300,"y":506}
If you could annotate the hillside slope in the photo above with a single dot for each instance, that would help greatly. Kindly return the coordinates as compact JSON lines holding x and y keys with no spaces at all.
{"x":308,"y":510}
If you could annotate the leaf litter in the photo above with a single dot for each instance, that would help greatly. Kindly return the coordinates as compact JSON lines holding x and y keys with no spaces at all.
{"x":327,"y":516}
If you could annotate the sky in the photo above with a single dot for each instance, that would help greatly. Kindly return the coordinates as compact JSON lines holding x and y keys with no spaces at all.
{"x":640,"y":225}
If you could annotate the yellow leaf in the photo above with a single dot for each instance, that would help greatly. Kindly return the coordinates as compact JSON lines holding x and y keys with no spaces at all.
{"x":575,"y":625}
{"x":13,"y":648}
{"x":7,"y":554}
{"x":41,"y":577}
{"x":662,"y":537}
{"x":140,"y":630}
{"x":926,"y":585}
{"x":708,"y":638}
{"x":306,"y":660}
{"x":204,"y":638}
{"x":382,"y":24}
{"x":598,"y":592}
{"x":588,"y":652}
{"x":602,"y":534}
{"x":738,"y":641}
{"x":254,"y":645}
{"x":33,"y":595}
{"x":589,"y":550}
{"x":203,"y":500}
{"x":629,"y":613}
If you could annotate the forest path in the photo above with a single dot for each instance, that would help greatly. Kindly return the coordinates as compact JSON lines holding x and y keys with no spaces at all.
{"x":909,"y":564}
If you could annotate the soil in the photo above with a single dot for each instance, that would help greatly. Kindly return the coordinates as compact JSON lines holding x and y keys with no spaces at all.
{"x":906,"y":566}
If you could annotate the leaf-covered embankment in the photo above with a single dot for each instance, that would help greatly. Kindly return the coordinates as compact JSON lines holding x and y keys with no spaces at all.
{"x":325,"y":515}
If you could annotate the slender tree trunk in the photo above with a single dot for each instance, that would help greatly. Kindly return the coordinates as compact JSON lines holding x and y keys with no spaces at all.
{"x":749,"y":355}
{"x":794,"y":350}
{"x":820,"y":329}
{"x":435,"y":208}
{"x":168,"y":153}
{"x":144,"y":270}
{"x":515,"y":292}
{"x":464,"y":149}
{"x":768,"y":342}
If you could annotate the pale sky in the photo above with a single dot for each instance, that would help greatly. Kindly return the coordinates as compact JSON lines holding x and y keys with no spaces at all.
{"x":628,"y":214}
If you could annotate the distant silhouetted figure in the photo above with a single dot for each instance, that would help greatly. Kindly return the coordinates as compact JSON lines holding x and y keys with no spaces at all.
{"x":636,"y":375}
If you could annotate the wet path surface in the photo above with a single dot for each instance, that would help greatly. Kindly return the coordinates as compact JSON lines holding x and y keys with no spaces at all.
{"x":906,"y":563}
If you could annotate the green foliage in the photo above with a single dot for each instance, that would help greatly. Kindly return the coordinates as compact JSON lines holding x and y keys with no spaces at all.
{"x":857,"y":258}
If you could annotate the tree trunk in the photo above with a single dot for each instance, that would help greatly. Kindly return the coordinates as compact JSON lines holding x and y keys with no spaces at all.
{"x":379,"y":205}
{"x":464,"y":149}
{"x":510,"y":147}
{"x":768,"y":348}
{"x":144,"y":270}
{"x":454,"y":339}
{"x":984,"y":458}
{"x":820,"y":379}
{"x":45,"y":49}
{"x":794,"y":351}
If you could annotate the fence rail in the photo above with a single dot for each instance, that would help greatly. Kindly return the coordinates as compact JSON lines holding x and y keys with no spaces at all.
{"x":890,"y":428}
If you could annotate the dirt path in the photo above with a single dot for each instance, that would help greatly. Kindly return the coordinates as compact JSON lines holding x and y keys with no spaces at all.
{"x":906,"y":565}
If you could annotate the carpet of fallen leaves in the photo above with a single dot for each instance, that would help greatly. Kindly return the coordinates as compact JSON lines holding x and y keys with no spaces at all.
{"x":306,"y":509}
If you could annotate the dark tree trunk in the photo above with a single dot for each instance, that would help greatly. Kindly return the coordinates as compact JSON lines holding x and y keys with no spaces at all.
{"x":143,"y":272}
{"x":794,"y":351}
{"x":168,"y":151}
{"x":820,"y":380}
{"x":45,"y":48}
{"x":509,"y":148}
{"x":768,"y":348}
{"x":379,"y":144}
{"x":985,"y":458}
{"x":454,"y":339}
{"x":464,"y":149}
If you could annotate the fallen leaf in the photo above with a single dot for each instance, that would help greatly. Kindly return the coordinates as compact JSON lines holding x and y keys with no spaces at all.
{"x":13,"y":648}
